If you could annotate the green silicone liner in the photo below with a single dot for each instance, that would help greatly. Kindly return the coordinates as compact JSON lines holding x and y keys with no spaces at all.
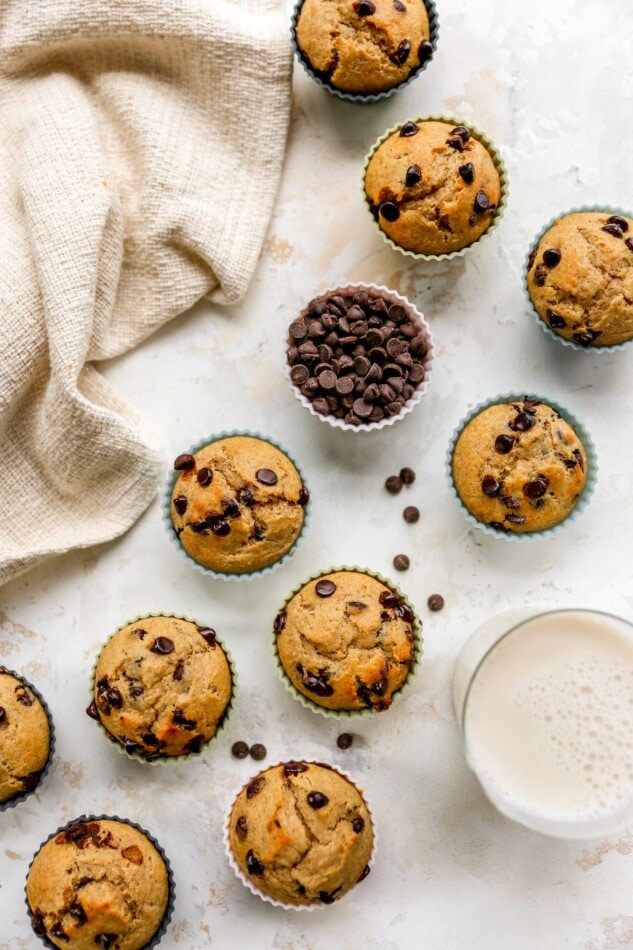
{"x":22,"y":796}
{"x":585,"y":495}
{"x":367,"y":712}
{"x":171,"y":884}
{"x":166,"y":759}
{"x":169,"y":528}
{"x":571,"y":344}
{"x":498,"y":163}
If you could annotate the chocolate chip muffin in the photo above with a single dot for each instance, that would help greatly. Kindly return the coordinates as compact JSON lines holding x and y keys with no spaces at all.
{"x":359,"y":355}
{"x":364,"y":46}
{"x":519,"y":466}
{"x":237,"y":504}
{"x":301,"y":833}
{"x":432,"y":187}
{"x":346,"y":641}
{"x":162,"y":687}
{"x":580,"y":278}
{"x":98,"y":883}
{"x":25,"y":737}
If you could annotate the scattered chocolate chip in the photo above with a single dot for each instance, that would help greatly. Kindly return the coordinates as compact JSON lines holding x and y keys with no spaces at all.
{"x":258,"y":752}
{"x":364,"y":7}
{"x":317,"y":800}
{"x":503,"y":444}
{"x":411,"y":514}
{"x":490,"y":486}
{"x":184,"y":462}
{"x":294,"y":768}
{"x":345,"y":740}
{"x":407,"y":475}
{"x":401,"y":562}
{"x":401,"y":55}
{"x":266,"y":476}
{"x":413,"y":176}
{"x":540,"y":273}
{"x":393,"y":484}
{"x":555,"y":320}
{"x":162,"y":645}
{"x":325,"y":588}
{"x":239,"y":750}
{"x":482,"y":202}
{"x":205,"y":477}
{"x":521,"y":422}
{"x":389,"y":211}
{"x":435,"y":602}
{"x":180,"y":504}
{"x":92,"y":711}
{"x":613,"y":229}
{"x":241,"y":827}
{"x":409,"y":129}
{"x":425,"y":51}
{"x":467,"y":172}
{"x":551,"y":257}
{"x":358,"y":824}
{"x":535,"y":488}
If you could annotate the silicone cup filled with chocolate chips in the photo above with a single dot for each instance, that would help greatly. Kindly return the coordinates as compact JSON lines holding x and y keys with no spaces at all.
{"x":359,"y":357}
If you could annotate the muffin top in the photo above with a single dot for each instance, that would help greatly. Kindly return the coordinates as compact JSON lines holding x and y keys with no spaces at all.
{"x":432,"y":187}
{"x":99,"y":883}
{"x":364,"y":46}
{"x":580,"y":278}
{"x":346,"y":641}
{"x":162,"y":686}
{"x":237,"y":504}
{"x":301,"y":833}
{"x":519,"y":466}
{"x":25,"y":737}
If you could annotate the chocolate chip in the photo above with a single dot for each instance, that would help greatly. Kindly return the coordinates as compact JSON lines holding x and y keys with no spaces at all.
{"x":409,"y":129}
{"x":364,"y":7}
{"x":358,"y":824}
{"x":239,"y":750}
{"x":327,"y":380}
{"x":317,"y":683}
{"x":298,"y":330}
{"x":362,"y":409}
{"x":258,"y":752}
{"x":613,"y":229}
{"x":176,"y":675}
{"x":299,"y":374}
{"x":30,"y":781}
{"x":535,"y":488}
{"x":393,"y":484}
{"x":516,"y":519}
{"x":304,"y":496}
{"x":482,"y":202}
{"x":162,"y":645}
{"x":246,"y":497}
{"x":318,"y":306}
{"x":325,"y":588}
{"x":621,"y":222}
{"x":587,"y":338}
{"x":389,"y":211}
{"x":114,"y":698}
{"x":59,"y":933}
{"x":551,"y":257}
{"x":400,"y":7}
{"x":413,"y":176}
{"x":294,"y":768}
{"x":435,"y":602}
{"x":401,"y":562}
{"x":503,"y":444}
{"x":130,"y":746}
{"x":179,"y":719}
{"x":255,"y":787}
{"x":180,"y":504}
{"x":491,"y":486}
{"x":425,"y":51}
{"x":38,"y":925}
{"x":317,"y":800}
{"x":329,"y":898}
{"x":411,"y":514}
{"x":205,"y":477}
{"x":280,"y":622}
{"x":322,"y":406}
{"x":629,"y":243}
{"x":404,"y":612}
{"x":401,"y":55}
{"x":462,"y":132}
{"x":555,"y":319}
{"x":388,"y":599}
{"x":218,"y":525}
{"x":253,"y":866}
{"x":241,"y":827}
{"x":540,"y":273}
{"x":407,"y":475}
{"x":498,"y":526}
{"x":455,"y":142}
{"x":521,"y":422}
{"x":316,"y":330}
{"x":345,"y":740}
{"x":231,"y":509}
{"x":184,"y":462}
{"x":3,"y":715}
{"x":467,"y":172}
{"x":208,"y":635}
{"x":91,"y":711}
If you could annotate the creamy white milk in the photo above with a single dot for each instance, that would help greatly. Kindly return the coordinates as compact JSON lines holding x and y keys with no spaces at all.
{"x":548,"y":723}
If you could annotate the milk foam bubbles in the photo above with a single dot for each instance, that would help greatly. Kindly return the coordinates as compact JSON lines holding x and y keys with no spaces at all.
{"x":548,"y":723}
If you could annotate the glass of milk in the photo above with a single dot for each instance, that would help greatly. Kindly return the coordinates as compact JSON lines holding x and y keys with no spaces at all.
{"x":545,"y":704}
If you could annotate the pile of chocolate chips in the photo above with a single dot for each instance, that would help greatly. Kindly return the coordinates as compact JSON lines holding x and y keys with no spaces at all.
{"x":356,"y":357}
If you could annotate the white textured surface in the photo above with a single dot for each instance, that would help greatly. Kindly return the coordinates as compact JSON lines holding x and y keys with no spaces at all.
{"x":550,"y":83}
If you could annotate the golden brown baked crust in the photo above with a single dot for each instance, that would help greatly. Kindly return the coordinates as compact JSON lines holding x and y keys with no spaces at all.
{"x":519,"y":467}
{"x":301,"y":833}
{"x":238,"y":522}
{"x":351,"y":648}
{"x":418,"y":195}
{"x":162,"y":686}
{"x":580,"y":278}
{"x":359,"y":53}
{"x":98,"y":878}
{"x":25,"y":737}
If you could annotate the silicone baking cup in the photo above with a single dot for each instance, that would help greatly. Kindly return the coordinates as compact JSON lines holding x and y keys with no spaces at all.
{"x":166,"y":511}
{"x":249,"y":884}
{"x":169,"y":910}
{"x":600,"y":209}
{"x":498,"y":163}
{"x":16,"y":799}
{"x":424,"y":330}
{"x":352,"y":713}
{"x":434,"y":29}
{"x":585,"y":495}
{"x":166,"y":759}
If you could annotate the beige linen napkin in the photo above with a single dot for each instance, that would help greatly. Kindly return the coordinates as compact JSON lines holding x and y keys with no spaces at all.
{"x":141,"y":143}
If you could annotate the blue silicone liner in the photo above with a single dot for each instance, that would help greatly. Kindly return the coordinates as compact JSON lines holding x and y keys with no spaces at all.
{"x":166,"y":510}
{"x":16,"y":799}
{"x":583,"y":435}
{"x":171,"y":885}
{"x":600,"y":209}
{"x":434,"y":29}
